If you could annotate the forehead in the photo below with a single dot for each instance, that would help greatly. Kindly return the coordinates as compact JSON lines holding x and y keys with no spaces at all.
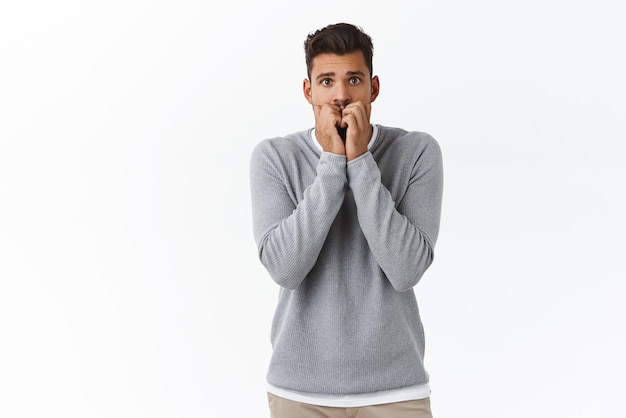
{"x":326,"y":63}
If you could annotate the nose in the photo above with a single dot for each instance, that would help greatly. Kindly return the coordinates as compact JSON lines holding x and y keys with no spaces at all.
{"x":342,"y":95}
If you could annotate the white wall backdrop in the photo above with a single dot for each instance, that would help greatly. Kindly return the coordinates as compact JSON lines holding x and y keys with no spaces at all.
{"x":129,"y":283}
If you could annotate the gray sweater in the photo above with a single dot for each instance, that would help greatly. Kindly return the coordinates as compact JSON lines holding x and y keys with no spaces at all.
{"x":347,"y":242}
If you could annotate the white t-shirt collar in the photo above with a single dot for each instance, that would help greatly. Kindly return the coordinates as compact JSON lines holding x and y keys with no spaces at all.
{"x":369,"y":145}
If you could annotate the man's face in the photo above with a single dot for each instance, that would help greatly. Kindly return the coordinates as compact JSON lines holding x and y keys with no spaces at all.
{"x":340,"y":80}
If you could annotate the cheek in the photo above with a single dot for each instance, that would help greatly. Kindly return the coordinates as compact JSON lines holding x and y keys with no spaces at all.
{"x":365,"y":95}
{"x":320,"y":96}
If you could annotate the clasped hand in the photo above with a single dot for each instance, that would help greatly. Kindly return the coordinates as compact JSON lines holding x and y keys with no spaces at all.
{"x":355,"y":117}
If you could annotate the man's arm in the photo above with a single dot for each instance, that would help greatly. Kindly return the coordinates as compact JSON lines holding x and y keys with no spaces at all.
{"x":401,"y":238}
{"x":290,"y":234}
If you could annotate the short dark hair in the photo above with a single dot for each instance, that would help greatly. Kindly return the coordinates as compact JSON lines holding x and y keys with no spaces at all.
{"x":339,"y":39}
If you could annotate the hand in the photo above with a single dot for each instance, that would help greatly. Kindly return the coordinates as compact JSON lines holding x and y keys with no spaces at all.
{"x":356,"y":116}
{"x":327,"y":118}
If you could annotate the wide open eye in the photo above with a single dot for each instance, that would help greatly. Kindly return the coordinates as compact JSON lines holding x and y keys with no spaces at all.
{"x":355,"y":80}
{"x":326,"y":82}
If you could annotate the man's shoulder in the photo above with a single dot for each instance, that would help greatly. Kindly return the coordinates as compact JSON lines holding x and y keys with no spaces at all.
{"x":289,"y":143}
{"x":402,"y":138}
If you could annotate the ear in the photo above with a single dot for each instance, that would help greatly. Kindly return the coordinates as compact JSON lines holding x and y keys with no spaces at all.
{"x":375,"y":88}
{"x":306,"y":88}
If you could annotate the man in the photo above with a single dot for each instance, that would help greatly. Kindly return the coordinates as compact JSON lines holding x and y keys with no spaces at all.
{"x":345,"y":217}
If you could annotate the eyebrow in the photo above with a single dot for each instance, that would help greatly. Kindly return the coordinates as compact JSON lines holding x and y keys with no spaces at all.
{"x":332,"y":74}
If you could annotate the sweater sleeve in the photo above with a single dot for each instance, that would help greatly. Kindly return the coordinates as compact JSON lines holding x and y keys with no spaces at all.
{"x":401,"y":237}
{"x":290,"y":234}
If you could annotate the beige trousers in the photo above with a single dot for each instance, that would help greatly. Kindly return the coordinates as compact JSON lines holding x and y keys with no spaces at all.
{"x":284,"y":408}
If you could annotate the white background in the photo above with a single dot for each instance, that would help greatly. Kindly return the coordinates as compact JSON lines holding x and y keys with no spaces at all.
{"x":129,"y":282}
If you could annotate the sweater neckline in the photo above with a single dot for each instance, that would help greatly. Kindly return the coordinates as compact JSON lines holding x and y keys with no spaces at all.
{"x":319,"y":147}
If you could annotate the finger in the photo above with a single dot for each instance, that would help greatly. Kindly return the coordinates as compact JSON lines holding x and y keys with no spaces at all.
{"x":355,"y":117}
{"x":360,"y":110}
{"x":331,"y":111}
{"x":349,"y":120}
{"x":326,"y":117}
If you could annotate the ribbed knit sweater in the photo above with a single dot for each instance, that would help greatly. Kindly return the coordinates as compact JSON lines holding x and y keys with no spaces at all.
{"x":346,"y":242}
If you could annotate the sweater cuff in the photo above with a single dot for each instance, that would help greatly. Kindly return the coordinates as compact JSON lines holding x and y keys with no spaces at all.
{"x":363,"y":168}
{"x":333,"y":167}
{"x":333,"y":156}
